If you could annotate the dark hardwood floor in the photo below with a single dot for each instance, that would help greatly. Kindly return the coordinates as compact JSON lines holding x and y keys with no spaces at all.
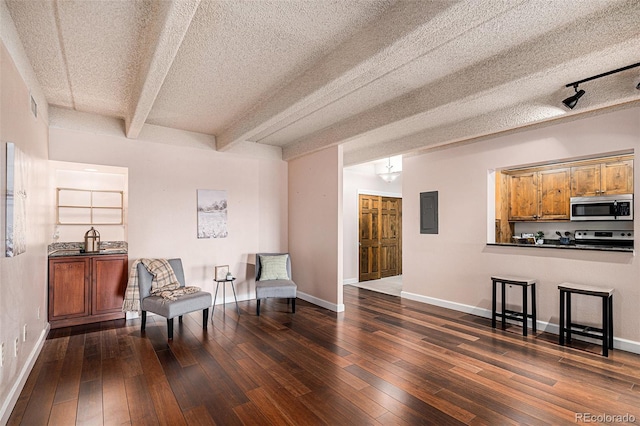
{"x":385,"y":360}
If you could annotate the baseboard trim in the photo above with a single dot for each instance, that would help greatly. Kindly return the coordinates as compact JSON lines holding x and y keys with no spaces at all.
{"x":350,"y":281}
{"x":618,"y":343}
{"x":16,"y":389}
{"x":320,"y":302}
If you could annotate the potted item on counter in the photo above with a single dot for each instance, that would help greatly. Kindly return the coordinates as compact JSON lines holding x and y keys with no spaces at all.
{"x":539,"y":238}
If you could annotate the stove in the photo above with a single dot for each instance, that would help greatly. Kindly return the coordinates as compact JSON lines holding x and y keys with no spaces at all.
{"x":604,"y":238}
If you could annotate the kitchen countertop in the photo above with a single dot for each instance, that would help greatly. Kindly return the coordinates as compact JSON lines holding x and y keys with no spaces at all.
{"x":568,"y":247}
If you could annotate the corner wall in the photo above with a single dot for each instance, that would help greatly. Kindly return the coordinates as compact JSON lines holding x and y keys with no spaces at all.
{"x":23,"y":278}
{"x":315,"y":227}
{"x":454,"y":267}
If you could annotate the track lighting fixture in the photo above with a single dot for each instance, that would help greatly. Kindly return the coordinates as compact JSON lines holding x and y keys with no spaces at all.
{"x":571,"y":101}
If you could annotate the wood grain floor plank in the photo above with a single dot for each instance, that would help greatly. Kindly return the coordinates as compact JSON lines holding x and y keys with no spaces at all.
{"x":249,"y":414}
{"x":279,"y":374}
{"x":114,"y":394}
{"x":40,"y":402}
{"x":166,"y":406}
{"x":69,"y":383}
{"x":417,"y":404}
{"x":23,"y":400}
{"x":282,"y":407}
{"x":63,"y":413}
{"x":139,"y":401}
{"x":90,"y":411}
{"x":332,"y":408}
{"x":198,"y":416}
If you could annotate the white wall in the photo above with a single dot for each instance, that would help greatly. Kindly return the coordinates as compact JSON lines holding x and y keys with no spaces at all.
{"x":315,"y":226}
{"x":359,"y":180}
{"x":22,"y":278}
{"x":163,"y":182}
{"x":455,"y":265}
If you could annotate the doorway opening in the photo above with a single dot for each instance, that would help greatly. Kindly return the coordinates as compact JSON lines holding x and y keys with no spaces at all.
{"x":380,"y":243}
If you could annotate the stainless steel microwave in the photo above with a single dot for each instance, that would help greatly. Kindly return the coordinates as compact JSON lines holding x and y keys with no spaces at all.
{"x":603,"y":207}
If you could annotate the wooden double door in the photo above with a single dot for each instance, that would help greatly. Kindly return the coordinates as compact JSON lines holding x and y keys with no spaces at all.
{"x":380,"y":239}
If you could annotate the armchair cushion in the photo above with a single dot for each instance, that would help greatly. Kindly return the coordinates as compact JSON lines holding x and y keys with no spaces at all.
{"x":183,"y":305}
{"x":273,"y":267}
{"x":275,"y":288}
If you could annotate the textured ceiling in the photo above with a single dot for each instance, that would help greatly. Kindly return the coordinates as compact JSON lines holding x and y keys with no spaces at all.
{"x":381,"y":77}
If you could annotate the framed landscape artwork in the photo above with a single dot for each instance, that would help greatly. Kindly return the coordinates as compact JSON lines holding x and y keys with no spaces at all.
{"x":212,"y":213}
{"x":15,"y":202}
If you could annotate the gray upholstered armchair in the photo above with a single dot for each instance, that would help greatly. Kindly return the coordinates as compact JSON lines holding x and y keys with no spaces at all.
{"x":171,"y":308}
{"x":273,"y":278}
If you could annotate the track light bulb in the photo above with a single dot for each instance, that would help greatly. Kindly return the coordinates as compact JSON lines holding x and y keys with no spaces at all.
{"x":571,"y":101}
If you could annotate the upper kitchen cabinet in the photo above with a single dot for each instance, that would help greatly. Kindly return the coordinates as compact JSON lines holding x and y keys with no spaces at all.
{"x":554,"y":194}
{"x":539,"y":195}
{"x":603,"y":178}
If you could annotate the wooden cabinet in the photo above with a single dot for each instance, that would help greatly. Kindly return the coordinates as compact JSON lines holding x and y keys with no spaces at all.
{"x":539,"y":195}
{"x":85,"y":289}
{"x":554,"y":194}
{"x":523,"y":196}
{"x":606,"y":178}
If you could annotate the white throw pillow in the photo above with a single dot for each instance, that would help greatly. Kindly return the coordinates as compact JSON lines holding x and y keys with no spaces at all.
{"x":273,"y":267}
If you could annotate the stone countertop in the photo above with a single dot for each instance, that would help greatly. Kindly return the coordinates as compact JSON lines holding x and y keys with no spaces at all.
{"x":78,"y":252}
{"x":77,"y":249}
{"x":568,"y":247}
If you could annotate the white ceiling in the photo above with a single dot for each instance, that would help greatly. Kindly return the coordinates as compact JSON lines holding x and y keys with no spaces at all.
{"x":381,"y":77}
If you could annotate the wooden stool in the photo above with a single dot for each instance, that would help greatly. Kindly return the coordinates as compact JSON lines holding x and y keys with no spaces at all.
{"x":567,"y":327}
{"x":522,"y":317}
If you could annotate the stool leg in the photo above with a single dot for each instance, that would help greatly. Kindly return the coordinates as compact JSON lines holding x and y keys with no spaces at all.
{"x":504,"y":303}
{"x":534,"y":317}
{"x":525,"y":309}
{"x":493,"y":304}
{"x":562,"y":298}
{"x":605,"y":327}
{"x":610,"y":321}
{"x":568,"y":325}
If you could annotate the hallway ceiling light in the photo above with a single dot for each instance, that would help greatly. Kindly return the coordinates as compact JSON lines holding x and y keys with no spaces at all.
{"x":389,"y":176}
{"x":571,"y":101}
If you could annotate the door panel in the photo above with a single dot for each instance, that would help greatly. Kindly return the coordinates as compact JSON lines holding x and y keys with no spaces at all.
{"x":369,"y":237}
{"x":380,"y":237}
{"x":391,"y":220}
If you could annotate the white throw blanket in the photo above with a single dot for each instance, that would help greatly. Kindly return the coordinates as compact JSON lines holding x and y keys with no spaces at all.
{"x":164,"y":284}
